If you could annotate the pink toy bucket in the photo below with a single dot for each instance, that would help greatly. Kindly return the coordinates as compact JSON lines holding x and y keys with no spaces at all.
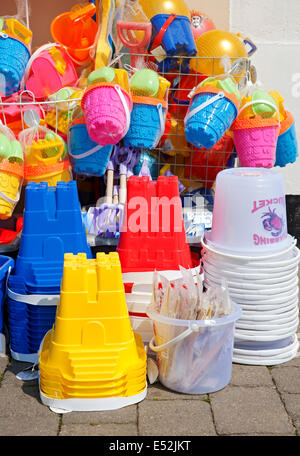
{"x":107,"y":109}
{"x":255,"y":140}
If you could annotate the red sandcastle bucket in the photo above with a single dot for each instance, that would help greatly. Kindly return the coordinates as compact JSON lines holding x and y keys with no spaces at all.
{"x":153,"y":235}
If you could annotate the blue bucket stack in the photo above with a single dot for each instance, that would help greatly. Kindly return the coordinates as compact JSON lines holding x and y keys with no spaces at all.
{"x":14,"y":55}
{"x":287,"y":144}
{"x":6,"y":263}
{"x":147,"y":124}
{"x":87,"y":157}
{"x":207,"y":125}
{"x":52,"y":227}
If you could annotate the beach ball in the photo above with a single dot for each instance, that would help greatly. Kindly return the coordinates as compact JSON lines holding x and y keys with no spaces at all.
{"x":213,"y":45}
{"x":153,"y":7}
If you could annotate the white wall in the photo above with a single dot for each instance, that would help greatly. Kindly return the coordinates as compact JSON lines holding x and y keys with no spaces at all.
{"x":274,"y":26}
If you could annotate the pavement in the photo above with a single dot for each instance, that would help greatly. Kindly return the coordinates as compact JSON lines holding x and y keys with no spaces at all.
{"x":258,"y":401}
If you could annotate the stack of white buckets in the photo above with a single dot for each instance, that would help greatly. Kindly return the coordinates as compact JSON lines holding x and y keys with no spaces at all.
{"x":249,"y":246}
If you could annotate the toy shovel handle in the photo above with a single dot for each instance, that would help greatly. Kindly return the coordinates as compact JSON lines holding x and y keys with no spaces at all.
{"x":130,"y":41}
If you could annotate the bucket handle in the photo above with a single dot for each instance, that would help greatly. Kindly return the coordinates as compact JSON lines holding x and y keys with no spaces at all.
{"x":203,"y":105}
{"x":192,"y":328}
{"x":261,"y":101}
{"x":162,"y":125}
{"x":125,"y":105}
{"x":87,"y":153}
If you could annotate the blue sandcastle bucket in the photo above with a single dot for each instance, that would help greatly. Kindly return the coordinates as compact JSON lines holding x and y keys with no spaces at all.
{"x":14,"y":56}
{"x":178,"y":38}
{"x":5,"y":263}
{"x":209,"y":116}
{"x":287,"y":144}
{"x":147,"y":122}
{"x":87,"y":156}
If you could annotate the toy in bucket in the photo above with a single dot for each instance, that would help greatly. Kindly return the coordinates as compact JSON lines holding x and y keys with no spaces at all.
{"x":126,"y":33}
{"x":59,"y":113}
{"x":255,"y":138}
{"x":213,"y":108}
{"x":148,"y":116}
{"x":45,"y":156}
{"x":14,"y":54}
{"x":48,"y":70}
{"x":107,"y":105}
{"x":11,"y":171}
{"x":194,"y":333}
{"x":76,"y":31}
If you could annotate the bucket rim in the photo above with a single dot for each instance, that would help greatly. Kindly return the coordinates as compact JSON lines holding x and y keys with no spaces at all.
{"x":214,"y":322}
{"x":210,"y":89}
{"x":254,"y":122}
{"x":149,"y":101}
{"x":287,"y":122}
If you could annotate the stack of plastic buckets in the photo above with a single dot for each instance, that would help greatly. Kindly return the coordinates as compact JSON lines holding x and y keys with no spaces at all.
{"x":153,"y":238}
{"x":91,"y":359}
{"x":6,"y":264}
{"x":249,"y":246}
{"x":52,"y":227}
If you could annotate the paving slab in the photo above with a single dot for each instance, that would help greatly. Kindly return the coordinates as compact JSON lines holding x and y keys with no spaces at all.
{"x":250,"y":376}
{"x":175,"y":418}
{"x":22,"y":412}
{"x":3,"y":363}
{"x":250,"y":411}
{"x":157,"y":391}
{"x":124,"y":415}
{"x":109,"y":430}
{"x":287,"y":379}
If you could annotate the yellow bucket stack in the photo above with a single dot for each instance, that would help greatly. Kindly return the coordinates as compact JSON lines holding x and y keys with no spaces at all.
{"x":91,"y":359}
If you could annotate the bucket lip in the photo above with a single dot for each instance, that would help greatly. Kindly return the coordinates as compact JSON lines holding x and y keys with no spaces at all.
{"x":19,"y":41}
{"x":104,"y":84}
{"x":254,"y":122}
{"x":287,"y":122}
{"x":222,"y":321}
{"x":149,"y":100}
{"x":209,"y":89}
{"x":166,"y":15}
{"x":54,"y":36}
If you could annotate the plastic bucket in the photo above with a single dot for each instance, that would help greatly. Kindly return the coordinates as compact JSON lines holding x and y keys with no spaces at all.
{"x":205,"y":164}
{"x":79,"y":43}
{"x":256,"y":138}
{"x":194,"y":357}
{"x":287,"y":144}
{"x":249,"y":214}
{"x":261,"y":279}
{"x":210,"y":115}
{"x":258,"y":269}
{"x":177,"y":38}
{"x":147,"y":122}
{"x":267,"y":356}
{"x":107,"y":109}
{"x":14,"y":55}
{"x":87,"y":157}
{"x":255,"y":287}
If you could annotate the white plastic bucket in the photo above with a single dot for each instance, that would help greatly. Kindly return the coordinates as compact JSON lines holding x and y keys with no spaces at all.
{"x":194,"y":357}
{"x":248,"y":288}
{"x":288,"y":257}
{"x":249,"y":214}
{"x":269,"y":308}
{"x":256,"y":318}
{"x":267,"y":336}
{"x":267,"y":279}
{"x":266,"y":357}
{"x":268,"y":326}
{"x":259,"y":293}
